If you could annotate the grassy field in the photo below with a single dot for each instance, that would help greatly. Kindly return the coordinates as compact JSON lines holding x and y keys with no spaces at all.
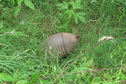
{"x":21,"y":36}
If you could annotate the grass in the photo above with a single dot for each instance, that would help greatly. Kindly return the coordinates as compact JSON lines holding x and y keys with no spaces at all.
{"x":21,"y":60}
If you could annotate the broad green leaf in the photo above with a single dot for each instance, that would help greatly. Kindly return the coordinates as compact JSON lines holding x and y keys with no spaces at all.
{"x":35,"y":77}
{"x":81,"y":13}
{"x":5,"y":77}
{"x":22,"y":82}
{"x":16,"y":11}
{"x":29,"y":4}
{"x":69,"y":13}
{"x":77,"y":5}
{"x":19,"y":2}
{"x":82,"y":19}
{"x":63,"y":5}
{"x":72,"y":3}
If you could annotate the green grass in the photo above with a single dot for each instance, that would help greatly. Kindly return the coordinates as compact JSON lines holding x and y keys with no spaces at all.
{"x":22,"y":62}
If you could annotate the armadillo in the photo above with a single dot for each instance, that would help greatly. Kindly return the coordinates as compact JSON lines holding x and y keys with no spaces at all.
{"x":61,"y":43}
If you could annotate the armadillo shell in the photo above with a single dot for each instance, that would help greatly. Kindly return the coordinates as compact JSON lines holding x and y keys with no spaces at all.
{"x":61,"y":43}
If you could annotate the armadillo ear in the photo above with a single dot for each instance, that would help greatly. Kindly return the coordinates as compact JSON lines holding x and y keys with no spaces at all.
{"x":77,"y":37}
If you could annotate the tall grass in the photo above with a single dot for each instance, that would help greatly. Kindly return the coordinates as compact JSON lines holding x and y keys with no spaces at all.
{"x":22,"y":59}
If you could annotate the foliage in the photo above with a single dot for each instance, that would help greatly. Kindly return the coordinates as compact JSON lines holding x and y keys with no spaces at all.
{"x":16,"y":5}
{"x":21,"y":60}
{"x":15,"y":79}
{"x":71,"y":9}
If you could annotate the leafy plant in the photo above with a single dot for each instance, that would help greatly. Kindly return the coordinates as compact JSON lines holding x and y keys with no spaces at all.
{"x":19,"y":79}
{"x":5,"y":77}
{"x":72,"y":9}
{"x":16,"y":4}
{"x":26,"y":2}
